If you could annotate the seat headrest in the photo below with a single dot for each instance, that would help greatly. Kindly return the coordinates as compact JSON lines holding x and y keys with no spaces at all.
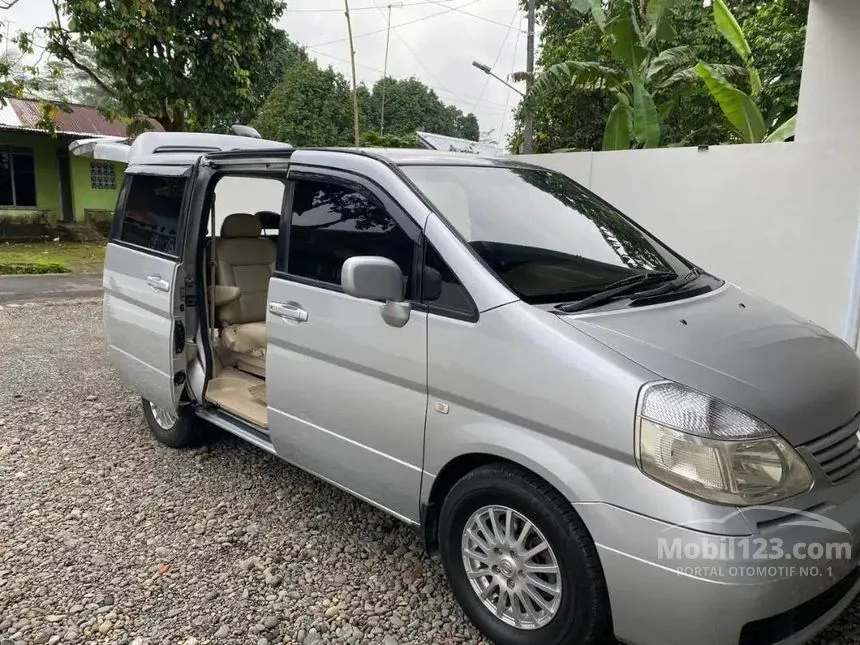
{"x":241,"y":225}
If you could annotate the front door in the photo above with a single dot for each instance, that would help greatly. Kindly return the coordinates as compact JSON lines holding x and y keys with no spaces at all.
{"x":67,"y":209}
{"x":347,"y":393}
{"x":143,"y":299}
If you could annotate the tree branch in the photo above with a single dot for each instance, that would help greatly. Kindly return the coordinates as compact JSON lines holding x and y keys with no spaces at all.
{"x":59,"y":40}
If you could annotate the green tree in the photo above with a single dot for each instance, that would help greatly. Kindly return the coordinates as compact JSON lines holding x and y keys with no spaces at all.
{"x":372,"y":139}
{"x":568,"y":118}
{"x":282,"y":54}
{"x":184,"y":63}
{"x":468,"y":127}
{"x":66,"y":83}
{"x":740,"y":108}
{"x":311,"y":106}
{"x":643,"y":72}
{"x":410,"y":105}
{"x":574,"y":118}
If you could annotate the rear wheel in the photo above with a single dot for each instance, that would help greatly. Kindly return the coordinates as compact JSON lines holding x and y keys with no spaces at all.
{"x":174,"y":428}
{"x":520,"y":561}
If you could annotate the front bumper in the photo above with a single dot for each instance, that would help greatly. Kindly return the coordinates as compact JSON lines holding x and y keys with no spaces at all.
{"x":663,"y":591}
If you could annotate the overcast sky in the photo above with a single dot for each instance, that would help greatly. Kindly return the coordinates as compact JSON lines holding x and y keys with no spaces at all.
{"x":434,"y":40}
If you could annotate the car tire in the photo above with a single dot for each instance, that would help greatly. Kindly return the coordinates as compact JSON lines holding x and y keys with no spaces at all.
{"x":579,"y":613}
{"x":177,"y":430}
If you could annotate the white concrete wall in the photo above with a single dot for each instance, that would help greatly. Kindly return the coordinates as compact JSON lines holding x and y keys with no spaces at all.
{"x":779,"y":220}
{"x":830,"y":93}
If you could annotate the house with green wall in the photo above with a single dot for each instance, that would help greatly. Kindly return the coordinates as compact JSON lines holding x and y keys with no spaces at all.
{"x":41,"y":185}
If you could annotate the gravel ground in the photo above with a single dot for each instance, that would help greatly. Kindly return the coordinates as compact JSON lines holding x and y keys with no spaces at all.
{"x":108,"y":537}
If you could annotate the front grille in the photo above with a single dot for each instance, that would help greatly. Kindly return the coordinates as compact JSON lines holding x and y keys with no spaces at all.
{"x":777,"y":628}
{"x":838,"y":452}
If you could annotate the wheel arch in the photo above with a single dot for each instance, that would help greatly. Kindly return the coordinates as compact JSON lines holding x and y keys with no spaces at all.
{"x":450,"y":474}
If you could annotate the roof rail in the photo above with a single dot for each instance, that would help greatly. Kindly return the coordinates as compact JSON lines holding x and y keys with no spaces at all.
{"x":169,"y":148}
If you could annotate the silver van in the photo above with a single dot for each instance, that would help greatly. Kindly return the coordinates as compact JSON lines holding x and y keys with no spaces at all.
{"x":597,"y":436}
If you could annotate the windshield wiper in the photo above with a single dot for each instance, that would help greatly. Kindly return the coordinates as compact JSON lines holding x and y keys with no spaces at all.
{"x":617,"y":289}
{"x":674,"y":285}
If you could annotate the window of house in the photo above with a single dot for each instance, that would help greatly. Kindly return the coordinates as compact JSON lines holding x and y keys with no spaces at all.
{"x":102,"y":176}
{"x":17,"y":176}
{"x":331,"y":223}
{"x":152,"y":212}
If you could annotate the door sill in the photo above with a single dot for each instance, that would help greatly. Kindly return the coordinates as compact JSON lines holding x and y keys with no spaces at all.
{"x":252,"y":434}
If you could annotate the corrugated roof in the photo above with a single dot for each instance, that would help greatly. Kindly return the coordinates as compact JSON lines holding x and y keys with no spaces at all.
{"x":82,"y":119}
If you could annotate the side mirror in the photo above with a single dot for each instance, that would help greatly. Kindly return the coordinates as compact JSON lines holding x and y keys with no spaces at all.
{"x":432,"y":284}
{"x":372,"y":278}
{"x":376,"y":278}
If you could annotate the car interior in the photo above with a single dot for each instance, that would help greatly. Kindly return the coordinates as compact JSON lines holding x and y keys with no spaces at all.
{"x":239,"y":263}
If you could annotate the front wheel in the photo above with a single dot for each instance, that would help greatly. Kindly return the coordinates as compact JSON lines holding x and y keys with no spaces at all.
{"x":174,"y":428}
{"x":520,"y":561}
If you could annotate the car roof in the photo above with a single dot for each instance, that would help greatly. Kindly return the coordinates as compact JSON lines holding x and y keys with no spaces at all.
{"x":426,"y":157}
{"x":184,"y":148}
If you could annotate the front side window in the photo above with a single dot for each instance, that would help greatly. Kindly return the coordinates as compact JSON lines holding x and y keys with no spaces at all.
{"x":545,"y":236}
{"x":332,"y":222}
{"x":152,"y":212}
{"x":17,"y":176}
{"x":442,"y":289}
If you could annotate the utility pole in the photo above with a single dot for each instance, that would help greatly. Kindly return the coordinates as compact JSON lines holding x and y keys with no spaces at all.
{"x":528,"y":126}
{"x":385,"y":75}
{"x":355,"y":125}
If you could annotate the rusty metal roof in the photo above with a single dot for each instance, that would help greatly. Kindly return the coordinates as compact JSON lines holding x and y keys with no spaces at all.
{"x":82,"y":119}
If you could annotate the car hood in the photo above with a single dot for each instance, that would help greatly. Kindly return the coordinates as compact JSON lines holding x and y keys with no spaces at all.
{"x":790,"y":373}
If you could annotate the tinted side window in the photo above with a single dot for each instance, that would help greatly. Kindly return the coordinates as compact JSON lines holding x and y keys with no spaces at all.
{"x":331,"y":223}
{"x":442,"y":289}
{"x":152,"y":209}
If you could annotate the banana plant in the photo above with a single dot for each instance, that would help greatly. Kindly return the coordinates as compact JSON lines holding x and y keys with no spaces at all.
{"x":738,"y":107}
{"x":641,"y":70}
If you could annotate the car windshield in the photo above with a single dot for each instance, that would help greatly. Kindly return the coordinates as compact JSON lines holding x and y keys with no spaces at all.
{"x":545,"y":236}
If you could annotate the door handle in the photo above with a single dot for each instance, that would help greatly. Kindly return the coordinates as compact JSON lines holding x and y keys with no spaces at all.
{"x":157,"y":283}
{"x":289,"y":310}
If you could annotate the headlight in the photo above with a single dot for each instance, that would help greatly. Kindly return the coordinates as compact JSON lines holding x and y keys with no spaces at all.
{"x":711,"y":450}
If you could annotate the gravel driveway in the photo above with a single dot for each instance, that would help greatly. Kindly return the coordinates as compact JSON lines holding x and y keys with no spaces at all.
{"x":108,"y":537}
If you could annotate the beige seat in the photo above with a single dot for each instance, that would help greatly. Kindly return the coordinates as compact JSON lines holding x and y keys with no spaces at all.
{"x":245,"y":262}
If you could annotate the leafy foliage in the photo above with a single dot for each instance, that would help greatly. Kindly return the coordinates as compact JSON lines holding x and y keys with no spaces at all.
{"x":738,"y":107}
{"x":644,"y":69}
{"x":312,"y":106}
{"x":572,"y":117}
{"x":409,"y":106}
{"x":184,"y":63}
{"x":309,"y":107}
{"x":66,"y":83}
{"x":372,"y":139}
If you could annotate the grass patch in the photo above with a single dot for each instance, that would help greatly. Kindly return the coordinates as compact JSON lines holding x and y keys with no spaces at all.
{"x":31,"y":268}
{"x":51,"y":257}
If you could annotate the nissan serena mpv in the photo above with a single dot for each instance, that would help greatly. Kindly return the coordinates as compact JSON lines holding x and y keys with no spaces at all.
{"x":596,"y":435}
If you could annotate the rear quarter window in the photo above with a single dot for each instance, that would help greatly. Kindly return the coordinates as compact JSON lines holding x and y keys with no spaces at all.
{"x":151,"y":214}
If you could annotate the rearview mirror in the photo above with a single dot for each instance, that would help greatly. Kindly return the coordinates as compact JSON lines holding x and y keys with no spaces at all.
{"x":376,"y":278}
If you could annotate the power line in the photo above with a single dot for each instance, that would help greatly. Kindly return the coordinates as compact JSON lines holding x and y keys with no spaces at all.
{"x":498,"y":56}
{"x":368,"y":8}
{"x":402,"y":24}
{"x":496,"y":107}
{"x":421,"y":63}
{"x":473,"y":15}
{"x":508,"y":93}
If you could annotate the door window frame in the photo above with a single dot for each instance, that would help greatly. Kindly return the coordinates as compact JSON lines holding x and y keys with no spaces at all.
{"x":359,"y":183}
{"x":181,"y":223}
{"x":472,"y":315}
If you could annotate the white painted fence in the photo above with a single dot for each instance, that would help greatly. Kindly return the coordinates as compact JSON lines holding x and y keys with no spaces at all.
{"x":779,"y":220}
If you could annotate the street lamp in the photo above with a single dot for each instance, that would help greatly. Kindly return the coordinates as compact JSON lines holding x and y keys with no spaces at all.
{"x":489,"y":72}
